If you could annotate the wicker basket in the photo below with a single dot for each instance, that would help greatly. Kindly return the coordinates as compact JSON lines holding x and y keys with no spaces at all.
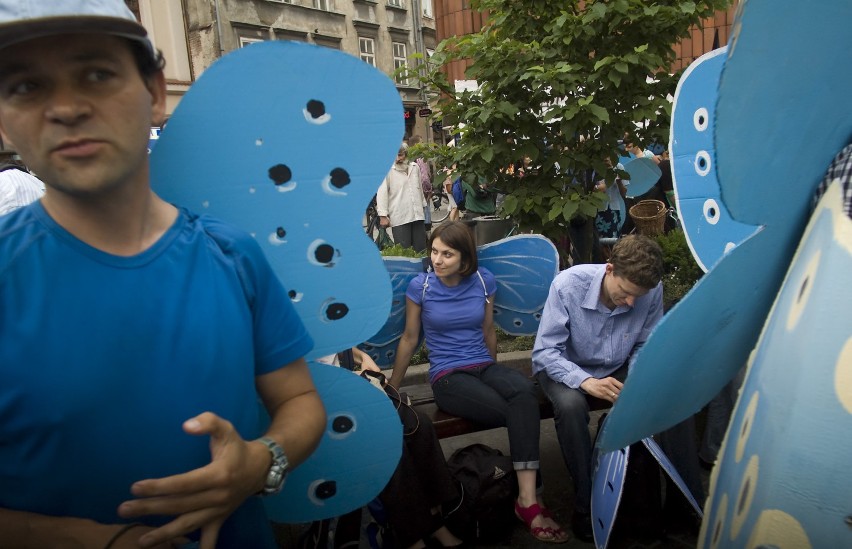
{"x":649,"y":216}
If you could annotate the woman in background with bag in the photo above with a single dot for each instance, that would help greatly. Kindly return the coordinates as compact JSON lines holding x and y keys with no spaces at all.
{"x":421,"y":482}
{"x":400,"y":203}
{"x":455,"y":307}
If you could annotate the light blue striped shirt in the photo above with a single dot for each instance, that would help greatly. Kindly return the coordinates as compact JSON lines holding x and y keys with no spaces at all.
{"x":579,"y":337}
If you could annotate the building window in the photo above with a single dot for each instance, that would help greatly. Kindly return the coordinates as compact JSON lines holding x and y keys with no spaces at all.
{"x":368,"y":50}
{"x":396,"y":3}
{"x":248,"y":41}
{"x":325,"y":5}
{"x":427,"y":8}
{"x":399,"y":60}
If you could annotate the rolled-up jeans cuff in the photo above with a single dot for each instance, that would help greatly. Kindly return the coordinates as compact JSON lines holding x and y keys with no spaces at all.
{"x":524,"y":465}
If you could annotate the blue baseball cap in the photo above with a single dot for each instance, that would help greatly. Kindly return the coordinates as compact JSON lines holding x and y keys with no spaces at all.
{"x":22,"y":20}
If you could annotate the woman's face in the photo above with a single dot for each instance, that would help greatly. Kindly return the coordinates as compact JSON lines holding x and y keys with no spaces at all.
{"x":446,"y":261}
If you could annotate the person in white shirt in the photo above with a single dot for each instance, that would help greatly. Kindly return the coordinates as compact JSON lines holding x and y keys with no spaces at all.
{"x":17,"y":187}
{"x":400,"y":203}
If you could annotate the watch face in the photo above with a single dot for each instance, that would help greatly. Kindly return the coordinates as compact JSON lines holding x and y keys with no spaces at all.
{"x":275,"y":479}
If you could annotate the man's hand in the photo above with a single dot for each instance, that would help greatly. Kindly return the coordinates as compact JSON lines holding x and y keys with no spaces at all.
{"x":384,"y":220}
{"x":205,"y":497}
{"x":607,"y":388}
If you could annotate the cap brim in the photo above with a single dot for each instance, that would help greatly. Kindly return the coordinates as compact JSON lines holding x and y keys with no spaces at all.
{"x":20,"y":31}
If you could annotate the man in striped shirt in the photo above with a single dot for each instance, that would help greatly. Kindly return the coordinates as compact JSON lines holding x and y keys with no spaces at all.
{"x":17,"y":187}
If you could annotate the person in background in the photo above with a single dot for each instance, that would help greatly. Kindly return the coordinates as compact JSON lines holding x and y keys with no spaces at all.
{"x":455,"y":307}
{"x":421,"y":482}
{"x":425,"y":181}
{"x":17,"y":187}
{"x":400,"y":203}
{"x":136,"y":337}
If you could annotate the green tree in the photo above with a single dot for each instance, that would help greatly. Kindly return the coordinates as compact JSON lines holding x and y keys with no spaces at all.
{"x":560,"y":83}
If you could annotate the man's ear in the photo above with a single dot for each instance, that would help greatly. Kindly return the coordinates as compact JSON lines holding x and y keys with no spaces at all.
{"x":156,"y":84}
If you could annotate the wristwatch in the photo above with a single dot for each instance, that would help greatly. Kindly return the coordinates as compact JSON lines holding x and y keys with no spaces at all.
{"x":277,"y":471}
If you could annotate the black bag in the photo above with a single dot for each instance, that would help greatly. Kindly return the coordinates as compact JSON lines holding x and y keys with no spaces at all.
{"x":489,"y":488}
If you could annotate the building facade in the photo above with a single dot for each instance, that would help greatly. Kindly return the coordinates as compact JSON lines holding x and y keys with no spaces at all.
{"x":383,"y":33}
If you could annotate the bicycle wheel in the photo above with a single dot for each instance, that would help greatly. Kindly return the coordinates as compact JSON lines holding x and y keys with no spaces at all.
{"x":440,"y":208}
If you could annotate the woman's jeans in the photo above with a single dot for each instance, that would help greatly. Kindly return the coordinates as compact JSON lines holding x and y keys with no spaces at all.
{"x":496,"y":396}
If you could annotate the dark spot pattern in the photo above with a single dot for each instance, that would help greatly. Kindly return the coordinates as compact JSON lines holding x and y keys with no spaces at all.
{"x":292,"y":294}
{"x":339,"y":178}
{"x":324,"y":253}
{"x":336,"y":311}
{"x":280,"y":174}
{"x":280,"y":232}
{"x":315,"y":108}
{"x":326,"y":490}
{"x":342,"y":424}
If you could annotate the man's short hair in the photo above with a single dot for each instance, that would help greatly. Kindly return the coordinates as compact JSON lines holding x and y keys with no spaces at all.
{"x":638,"y":259}
{"x":22,"y":20}
{"x":458,"y":236}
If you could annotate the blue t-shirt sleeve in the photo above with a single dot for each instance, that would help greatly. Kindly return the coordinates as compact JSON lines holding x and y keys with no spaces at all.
{"x":279,"y":335}
{"x":415,"y":288}
{"x":490,"y":281}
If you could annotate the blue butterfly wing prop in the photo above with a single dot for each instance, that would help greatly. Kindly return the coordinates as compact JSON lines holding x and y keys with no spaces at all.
{"x":356,"y":440}
{"x":782,"y":477}
{"x":607,"y":488}
{"x":707,"y":337}
{"x":382,"y":346}
{"x":524,"y":266}
{"x":271,"y":139}
{"x":644,"y":174}
{"x":277,"y":129}
{"x":711,"y":232}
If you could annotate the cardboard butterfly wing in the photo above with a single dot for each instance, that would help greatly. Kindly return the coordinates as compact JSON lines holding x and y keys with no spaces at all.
{"x":781,"y":478}
{"x":270,"y":139}
{"x":716,"y":326}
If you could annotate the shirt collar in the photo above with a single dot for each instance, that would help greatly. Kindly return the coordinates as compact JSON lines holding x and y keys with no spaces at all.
{"x":593,"y":294}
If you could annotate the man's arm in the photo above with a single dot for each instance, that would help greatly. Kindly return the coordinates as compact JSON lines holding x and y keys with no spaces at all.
{"x":552,"y":340}
{"x":205,"y":497}
{"x":23,"y":530}
{"x":382,"y":203}
{"x":655,"y":314}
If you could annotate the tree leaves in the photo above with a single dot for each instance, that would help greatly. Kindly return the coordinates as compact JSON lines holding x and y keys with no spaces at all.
{"x":559,"y":84}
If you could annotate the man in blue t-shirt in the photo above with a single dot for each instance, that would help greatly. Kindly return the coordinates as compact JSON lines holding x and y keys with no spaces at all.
{"x":135,"y":337}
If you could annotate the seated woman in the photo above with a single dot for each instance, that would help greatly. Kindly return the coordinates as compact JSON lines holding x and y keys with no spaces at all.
{"x":421,"y":482}
{"x":455,"y":306}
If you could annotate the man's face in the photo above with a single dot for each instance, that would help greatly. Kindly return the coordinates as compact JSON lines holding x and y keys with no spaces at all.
{"x":620,"y":290}
{"x":78,"y":111}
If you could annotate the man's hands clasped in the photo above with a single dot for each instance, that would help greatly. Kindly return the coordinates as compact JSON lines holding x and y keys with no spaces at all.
{"x":607,"y":388}
{"x":202,"y":498}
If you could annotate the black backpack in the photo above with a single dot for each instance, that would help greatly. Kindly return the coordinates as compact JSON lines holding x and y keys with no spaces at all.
{"x":489,"y":488}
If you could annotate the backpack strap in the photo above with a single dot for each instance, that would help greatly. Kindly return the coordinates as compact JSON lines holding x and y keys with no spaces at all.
{"x":9,"y":166}
{"x":484,"y":288}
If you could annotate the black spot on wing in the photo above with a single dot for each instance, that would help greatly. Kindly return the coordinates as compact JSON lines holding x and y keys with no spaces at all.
{"x":315,"y":108}
{"x":280,"y":174}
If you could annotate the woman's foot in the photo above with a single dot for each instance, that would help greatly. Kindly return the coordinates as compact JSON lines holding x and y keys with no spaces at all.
{"x":541,"y":524}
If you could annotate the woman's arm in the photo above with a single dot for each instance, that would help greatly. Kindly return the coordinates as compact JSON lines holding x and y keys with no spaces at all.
{"x":407,"y":343}
{"x":488,"y":331}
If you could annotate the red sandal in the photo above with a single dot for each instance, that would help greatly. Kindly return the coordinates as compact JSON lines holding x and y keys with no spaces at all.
{"x":542,"y":533}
